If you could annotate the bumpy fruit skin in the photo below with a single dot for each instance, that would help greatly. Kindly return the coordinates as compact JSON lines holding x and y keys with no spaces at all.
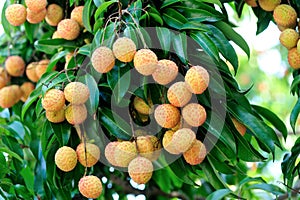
{"x":269,"y":5}
{"x":251,"y":3}
{"x":34,"y":18}
{"x":16,"y":14}
{"x":144,"y":146}
{"x":145,"y":61}
{"x":76,"y":15}
{"x":56,"y":35}
{"x":194,"y":114}
{"x":179,"y":94}
{"x":54,"y":14}
{"x":103,"y":59}
{"x":4,"y":77}
{"x":197,"y":79}
{"x":18,"y":92}
{"x":140,"y":170}
{"x":76,"y":93}
{"x":41,"y":67}
{"x":15,"y":66}
{"x":9,"y":96}
{"x":196,"y":154}
{"x":65,"y":158}
{"x":36,"y":5}
{"x":241,"y":128}
{"x":88,"y":157}
{"x":31,"y":72}
{"x":54,"y":100}
{"x":289,"y":38}
{"x":167,"y":139}
{"x":90,"y":187}
{"x":109,"y":152}
{"x":294,"y":58}
{"x":166,"y":72}
{"x":76,"y":114}
{"x":56,"y":116}
{"x":124,"y":49}
{"x":156,"y":147}
{"x":298,"y":46}
{"x":124,"y":153}
{"x":140,"y":105}
{"x":68,"y":29}
{"x":285,"y":16}
{"x":166,"y":115}
{"x":26,"y":88}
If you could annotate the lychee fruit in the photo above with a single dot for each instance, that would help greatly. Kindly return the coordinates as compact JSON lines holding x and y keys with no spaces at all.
{"x":109,"y":152}
{"x":144,"y":146}
{"x":18,"y":92}
{"x":54,"y":100}
{"x":76,"y":114}
{"x":251,"y":3}
{"x":166,"y":115}
{"x":197,"y":79}
{"x":65,"y":158}
{"x":269,"y":5}
{"x":76,"y":93}
{"x":196,"y":154}
{"x":103,"y":59}
{"x":140,"y":170}
{"x":56,"y":35}
{"x":125,"y":152}
{"x":124,"y":49}
{"x":89,"y":155}
{"x":298,"y":46}
{"x":294,"y":58}
{"x":289,"y":38}
{"x":194,"y":114}
{"x":36,"y":5}
{"x":166,"y":72}
{"x":156,"y":147}
{"x":167,"y":139}
{"x":16,"y":14}
{"x":31,"y":72}
{"x":26,"y":88}
{"x":56,"y":116}
{"x":4,"y":77}
{"x":15,"y":66}
{"x":285,"y":16}
{"x":41,"y":67}
{"x":54,"y":14}
{"x":90,"y":187}
{"x":178,"y":94}
{"x":145,"y":61}
{"x":68,"y":29}
{"x":36,"y":17}
{"x":76,"y":15}
{"x":241,"y":128}
{"x":9,"y":96}
{"x":141,"y":106}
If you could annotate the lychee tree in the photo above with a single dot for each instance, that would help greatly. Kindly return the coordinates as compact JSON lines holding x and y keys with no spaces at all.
{"x":127,"y":93}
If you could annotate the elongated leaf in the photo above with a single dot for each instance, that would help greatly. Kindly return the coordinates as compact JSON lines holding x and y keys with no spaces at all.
{"x":62,"y":132}
{"x":51,"y":46}
{"x":219,"y":194}
{"x":168,"y":3}
{"x":212,"y":176}
{"x":5,"y":24}
{"x":179,"y":44}
{"x":174,"y":19}
{"x":165,"y":37}
{"x":295,"y":85}
{"x":267,"y":187}
{"x":30,"y":30}
{"x":11,"y":153}
{"x":212,"y":1}
{"x":87,"y":13}
{"x":103,"y":7}
{"x":294,"y":115}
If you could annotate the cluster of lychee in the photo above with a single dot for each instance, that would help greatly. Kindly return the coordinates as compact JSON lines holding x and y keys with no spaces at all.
{"x":88,"y":155}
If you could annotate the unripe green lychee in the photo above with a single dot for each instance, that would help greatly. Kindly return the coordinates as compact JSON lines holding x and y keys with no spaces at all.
{"x":144,"y":146}
{"x":41,"y":67}
{"x":31,"y":72}
{"x":15,"y":66}
{"x":65,"y":158}
{"x":4,"y":77}
{"x":54,"y":14}
{"x":103,"y":59}
{"x":285,"y":16}
{"x":56,"y":116}
{"x":76,"y":15}
{"x":9,"y":97}
{"x":76,"y":93}
{"x":269,"y":5}
{"x":76,"y":114}
{"x":165,"y":72}
{"x":54,"y":100}
{"x":241,"y":128}
{"x":90,"y":187}
{"x":194,"y":114}
{"x":196,"y":154}
{"x":89,"y":155}
{"x":36,"y":5}
{"x":289,"y":38}
{"x":140,"y":170}
{"x":294,"y":58}
{"x":145,"y":61}
{"x":68,"y":29}
{"x":124,"y":153}
{"x":26,"y":88}
{"x":178,"y":94}
{"x":124,"y":49}
{"x":109,"y":152}
{"x":167,"y":115}
{"x":142,"y":107}
{"x":36,"y":17}
{"x":16,"y":14}
{"x":197,"y":79}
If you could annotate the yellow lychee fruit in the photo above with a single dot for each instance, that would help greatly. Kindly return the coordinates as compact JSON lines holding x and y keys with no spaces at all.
{"x":103,"y":59}
{"x":26,"y":88}
{"x":178,"y":94}
{"x":144,"y":146}
{"x":194,"y":114}
{"x":68,"y":29}
{"x":36,"y":17}
{"x":167,"y":139}
{"x":298,"y":46}
{"x":54,"y":14}
{"x":125,"y":152}
{"x":241,"y":128}
{"x":196,"y":154}
{"x":15,"y":66}
{"x":289,"y":38}
{"x":251,"y":3}
{"x":76,"y":114}
{"x":76,"y":15}
{"x":124,"y":49}
{"x":90,"y":187}
{"x":167,"y":115}
{"x":41,"y":67}
{"x":56,"y":116}
{"x":31,"y":72}
{"x":156,"y":147}
{"x":65,"y":158}
{"x":36,"y":5}
{"x":197,"y":79}
{"x":165,"y":72}
{"x":56,"y":35}
{"x":145,"y":61}
{"x":141,"y":106}
{"x":54,"y":100}
{"x":16,"y":14}
{"x":294,"y":58}
{"x":4,"y":77}
{"x":285,"y":16}
{"x":140,"y":170}
{"x":269,"y":5}
{"x":9,"y":96}
{"x":109,"y":152}
{"x":181,"y":124}
{"x":76,"y":93}
{"x":88,"y":154}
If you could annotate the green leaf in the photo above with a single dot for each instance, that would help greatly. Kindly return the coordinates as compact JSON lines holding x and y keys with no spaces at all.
{"x":5,"y":24}
{"x":30,"y":30}
{"x":165,"y":37}
{"x":219,"y":194}
{"x":212,"y":1}
{"x":31,"y":99}
{"x":212,"y":176}
{"x":294,"y":115}
{"x":11,"y":153}
{"x":28,"y":176}
{"x":173,"y":18}
{"x":191,"y":25}
{"x":87,"y":13}
{"x":295,"y":85}
{"x":168,"y":3}
{"x":157,"y":18}
{"x":267,"y":187}
{"x":51,"y":46}
{"x":62,"y":132}
{"x":179,"y":44}
{"x":103,"y":7}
